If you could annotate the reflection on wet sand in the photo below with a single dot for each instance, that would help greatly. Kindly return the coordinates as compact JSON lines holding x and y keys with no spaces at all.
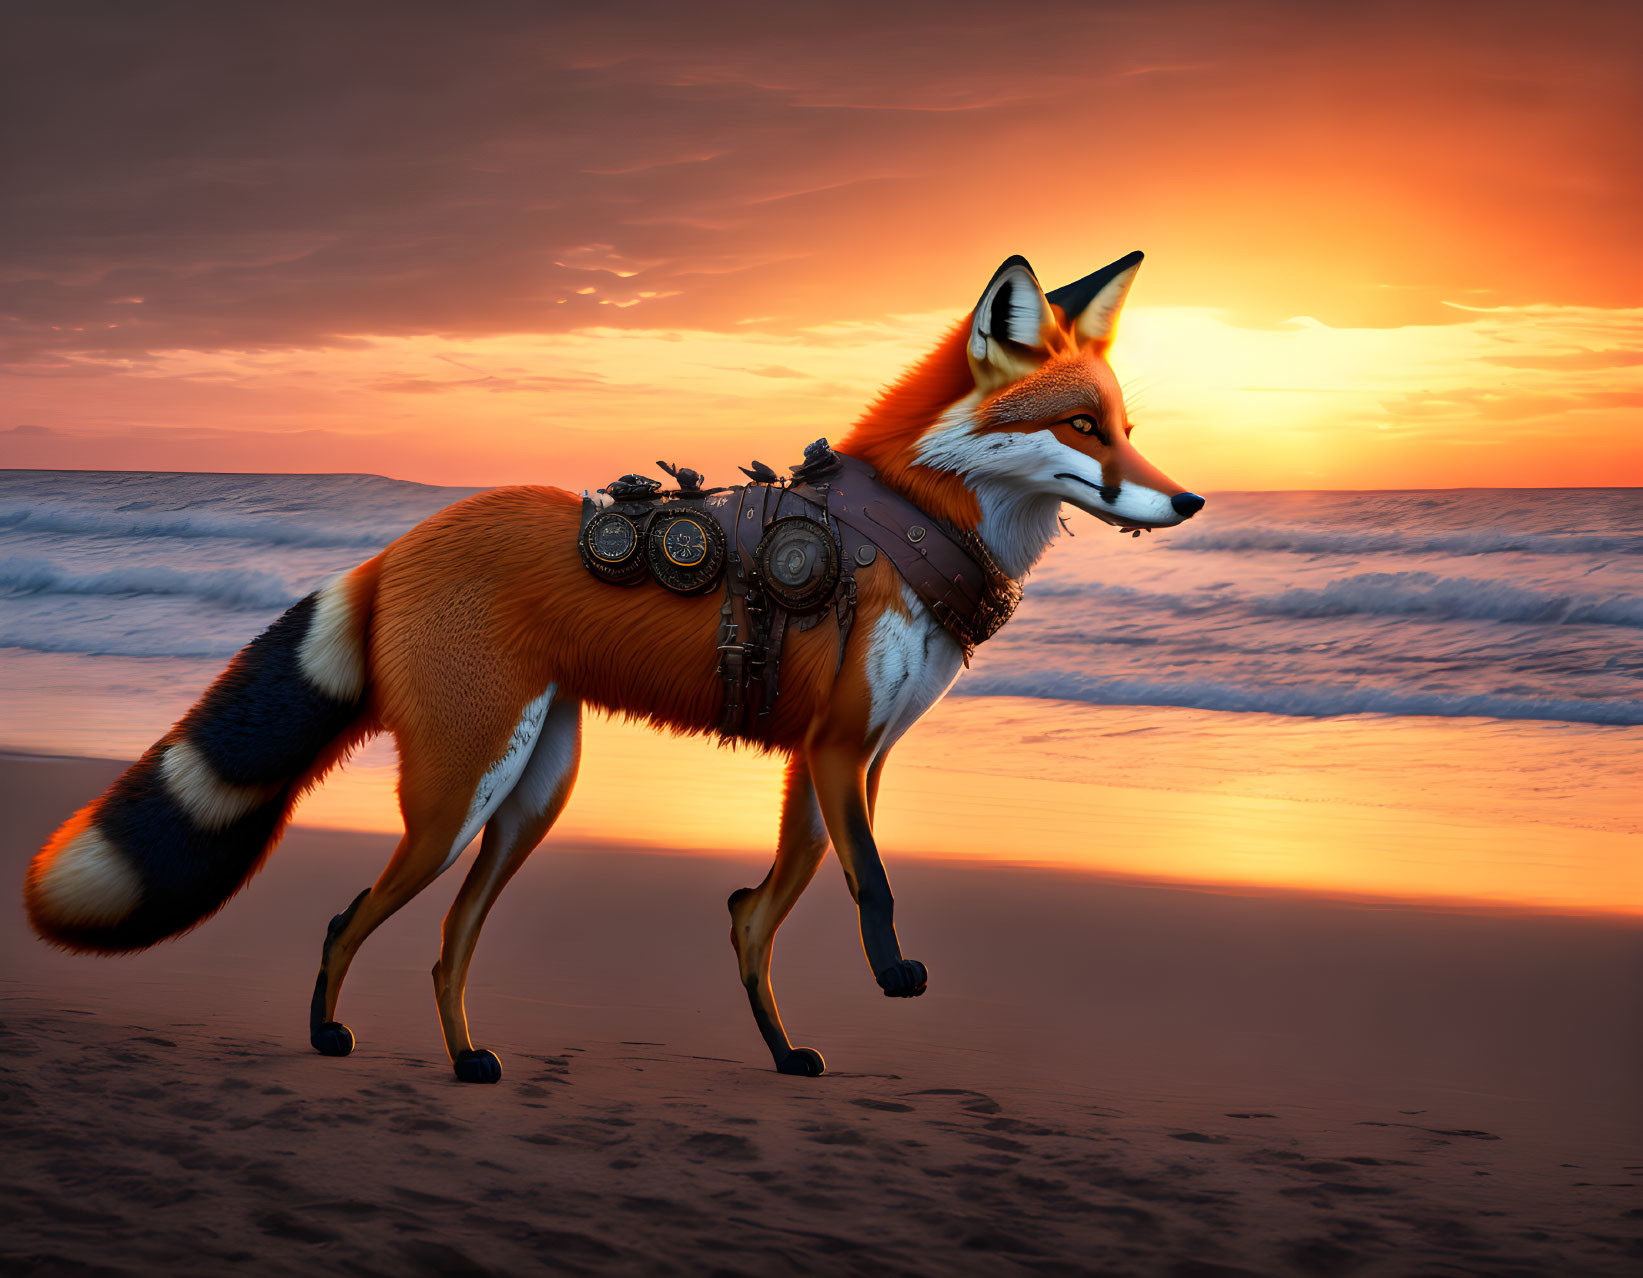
{"x":1510,"y":814}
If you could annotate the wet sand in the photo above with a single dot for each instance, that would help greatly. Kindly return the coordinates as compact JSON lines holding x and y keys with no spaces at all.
{"x":1107,"y":1076}
{"x":1516,"y":813}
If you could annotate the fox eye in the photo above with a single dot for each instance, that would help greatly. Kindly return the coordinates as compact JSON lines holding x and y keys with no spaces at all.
{"x":1087,"y":426}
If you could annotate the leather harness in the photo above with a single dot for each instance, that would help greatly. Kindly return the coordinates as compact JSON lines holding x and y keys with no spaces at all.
{"x":950,"y":571}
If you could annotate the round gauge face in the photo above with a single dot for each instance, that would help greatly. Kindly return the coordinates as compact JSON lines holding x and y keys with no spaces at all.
{"x":799,"y":562}
{"x":612,"y":538}
{"x":609,"y":546}
{"x":684,"y":543}
{"x":791,"y":565}
{"x":685,"y":549}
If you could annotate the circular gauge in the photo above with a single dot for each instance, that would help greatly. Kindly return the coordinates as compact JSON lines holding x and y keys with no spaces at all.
{"x":612,"y":538}
{"x":610,"y":549}
{"x":684,"y":543}
{"x":686,"y":550}
{"x":798,"y":562}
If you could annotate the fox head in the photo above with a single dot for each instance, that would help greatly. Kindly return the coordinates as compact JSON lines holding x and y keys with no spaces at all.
{"x":1016,"y":412}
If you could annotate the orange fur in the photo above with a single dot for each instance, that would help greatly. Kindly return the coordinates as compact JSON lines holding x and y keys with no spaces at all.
{"x":1071,"y":378}
{"x":1067,"y":386}
{"x":485,"y":604}
{"x":887,"y":434}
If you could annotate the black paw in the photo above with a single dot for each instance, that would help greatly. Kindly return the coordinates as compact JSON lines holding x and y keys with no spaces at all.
{"x":478,"y":1067}
{"x":332,"y":1039}
{"x":804,"y":1061}
{"x":905,"y":978}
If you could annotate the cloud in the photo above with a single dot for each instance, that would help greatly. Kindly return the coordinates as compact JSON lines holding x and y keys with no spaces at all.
{"x":500,"y":385}
{"x":300,"y":177}
{"x":1221,"y":406}
{"x":1573,"y":360}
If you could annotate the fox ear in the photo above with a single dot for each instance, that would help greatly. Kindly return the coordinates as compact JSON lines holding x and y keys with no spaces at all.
{"x":1093,"y":303}
{"x":1007,"y":329}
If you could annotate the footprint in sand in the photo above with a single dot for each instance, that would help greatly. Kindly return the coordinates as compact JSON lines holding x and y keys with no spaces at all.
{"x":835,"y":1134}
{"x":725,"y":1146}
{"x":979,"y":1102}
{"x":277,"y":1224}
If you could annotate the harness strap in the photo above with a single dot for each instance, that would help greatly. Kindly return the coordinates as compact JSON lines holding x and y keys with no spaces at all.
{"x":953,"y":575}
{"x":951,"y":572}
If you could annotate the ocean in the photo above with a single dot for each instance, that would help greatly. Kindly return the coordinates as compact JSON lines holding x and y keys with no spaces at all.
{"x":1506,"y":604}
{"x":1499,"y":603}
{"x":1464,"y":656}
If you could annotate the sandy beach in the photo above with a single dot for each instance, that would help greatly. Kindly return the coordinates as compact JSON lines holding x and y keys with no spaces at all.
{"x":1107,"y":1076}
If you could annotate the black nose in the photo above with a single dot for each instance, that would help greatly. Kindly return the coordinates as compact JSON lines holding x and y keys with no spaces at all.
{"x":1187,"y":504}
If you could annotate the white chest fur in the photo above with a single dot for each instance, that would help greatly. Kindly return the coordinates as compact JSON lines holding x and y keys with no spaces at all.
{"x":911,"y":662}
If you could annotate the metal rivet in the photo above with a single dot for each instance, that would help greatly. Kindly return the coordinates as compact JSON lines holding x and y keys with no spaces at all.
{"x":866,"y":554}
{"x":916,"y":533}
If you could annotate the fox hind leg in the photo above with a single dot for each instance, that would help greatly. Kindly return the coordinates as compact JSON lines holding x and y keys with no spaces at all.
{"x":756,"y":913}
{"x":416,"y":863}
{"x":520,"y":822}
{"x":329,"y":1037}
{"x":443,"y":809}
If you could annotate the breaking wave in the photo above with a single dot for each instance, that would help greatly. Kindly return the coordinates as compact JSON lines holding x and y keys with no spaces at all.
{"x":1309,"y":541}
{"x":1306,"y":701}
{"x":1390,"y":594}
{"x":189,"y":647}
{"x":77,"y":521}
{"x":228,"y":588}
{"x":1423,"y":594}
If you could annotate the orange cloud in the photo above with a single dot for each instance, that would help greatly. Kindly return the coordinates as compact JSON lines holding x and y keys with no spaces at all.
{"x":1299,"y":405}
{"x":242,"y":242}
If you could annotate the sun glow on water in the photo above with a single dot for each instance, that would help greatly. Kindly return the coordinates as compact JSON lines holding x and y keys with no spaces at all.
{"x":1402,"y":809}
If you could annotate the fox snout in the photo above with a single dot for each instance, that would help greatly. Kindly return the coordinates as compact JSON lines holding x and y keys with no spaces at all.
{"x":1130,"y":503}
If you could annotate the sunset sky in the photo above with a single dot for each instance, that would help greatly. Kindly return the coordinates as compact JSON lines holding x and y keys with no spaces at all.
{"x":1387,"y":245}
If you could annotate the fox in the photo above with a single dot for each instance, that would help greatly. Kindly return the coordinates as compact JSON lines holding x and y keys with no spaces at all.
{"x":478,"y":639}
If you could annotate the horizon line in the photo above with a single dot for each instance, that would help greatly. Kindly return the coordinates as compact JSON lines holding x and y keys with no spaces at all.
{"x":368,"y":474}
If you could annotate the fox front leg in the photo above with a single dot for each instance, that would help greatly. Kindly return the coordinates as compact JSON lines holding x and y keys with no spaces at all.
{"x":840,"y":777}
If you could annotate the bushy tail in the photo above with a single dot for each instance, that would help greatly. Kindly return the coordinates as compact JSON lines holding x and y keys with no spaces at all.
{"x":192,"y":820}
